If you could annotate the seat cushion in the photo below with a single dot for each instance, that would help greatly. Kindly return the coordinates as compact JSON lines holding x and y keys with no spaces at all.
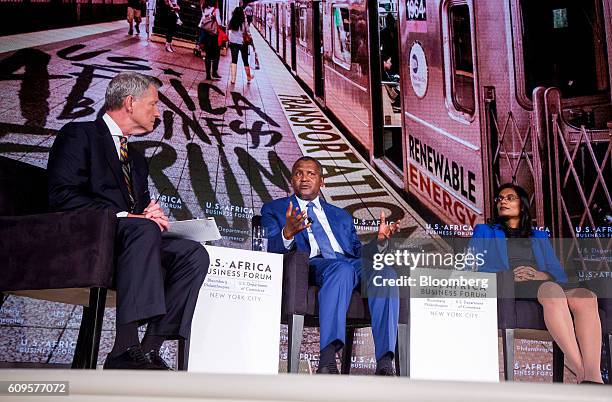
{"x":358,"y":308}
{"x":77,"y":296}
{"x":529,"y":315}
{"x":57,"y":250}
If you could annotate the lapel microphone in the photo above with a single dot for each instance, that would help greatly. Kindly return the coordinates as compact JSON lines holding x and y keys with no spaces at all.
{"x":308,"y":220}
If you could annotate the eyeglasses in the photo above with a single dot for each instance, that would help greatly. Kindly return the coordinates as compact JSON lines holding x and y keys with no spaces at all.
{"x":509,"y":198}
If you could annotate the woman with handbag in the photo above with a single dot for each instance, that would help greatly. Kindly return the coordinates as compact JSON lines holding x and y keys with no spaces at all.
{"x":239,"y":41}
{"x":171,"y":17}
{"x":209,"y":32}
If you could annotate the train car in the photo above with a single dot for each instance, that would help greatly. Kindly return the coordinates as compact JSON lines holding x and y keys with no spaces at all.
{"x":345,"y":77}
{"x":496,"y":92}
{"x":451,"y":98}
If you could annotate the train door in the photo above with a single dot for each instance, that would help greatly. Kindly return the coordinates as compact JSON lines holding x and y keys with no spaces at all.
{"x":386,"y":99}
{"x":442,"y":121}
{"x":304,"y":42}
{"x":269,"y":24}
{"x":274,"y":41}
{"x":283,"y":29}
{"x":319,"y":77}
{"x":292,"y":31}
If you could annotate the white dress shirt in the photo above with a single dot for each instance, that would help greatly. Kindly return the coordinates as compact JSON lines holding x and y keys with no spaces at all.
{"x":116,"y":133}
{"x":314,"y":247}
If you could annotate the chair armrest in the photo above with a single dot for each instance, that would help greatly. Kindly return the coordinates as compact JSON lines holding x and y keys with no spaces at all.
{"x":602,"y":287}
{"x":506,"y":302}
{"x":606,"y":305}
{"x":295,"y":283}
{"x":57,"y":250}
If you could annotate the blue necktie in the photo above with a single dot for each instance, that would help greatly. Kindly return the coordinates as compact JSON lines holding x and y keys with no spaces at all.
{"x":319,"y":234}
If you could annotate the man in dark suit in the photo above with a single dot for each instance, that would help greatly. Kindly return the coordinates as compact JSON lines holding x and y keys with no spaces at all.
{"x":91,"y":166}
{"x":307,"y":223}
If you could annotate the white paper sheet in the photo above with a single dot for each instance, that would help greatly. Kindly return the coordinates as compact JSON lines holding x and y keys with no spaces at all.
{"x":199,"y":230}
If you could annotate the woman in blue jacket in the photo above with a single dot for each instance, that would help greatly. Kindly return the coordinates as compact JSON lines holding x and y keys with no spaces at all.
{"x":537,"y":271}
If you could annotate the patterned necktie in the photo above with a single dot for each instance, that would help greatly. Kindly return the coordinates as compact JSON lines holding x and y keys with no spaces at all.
{"x":327,"y":251}
{"x":125,"y":167}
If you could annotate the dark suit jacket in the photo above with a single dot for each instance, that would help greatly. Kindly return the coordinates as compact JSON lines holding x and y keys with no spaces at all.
{"x":341,"y":222}
{"x":85,"y":171}
{"x":491,"y":241}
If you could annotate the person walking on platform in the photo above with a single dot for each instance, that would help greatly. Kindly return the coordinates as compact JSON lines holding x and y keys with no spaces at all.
{"x":239,"y":41}
{"x":134,"y":14}
{"x":209,"y":38}
{"x":171,"y":9}
{"x":248,"y":13}
{"x":149,"y":16}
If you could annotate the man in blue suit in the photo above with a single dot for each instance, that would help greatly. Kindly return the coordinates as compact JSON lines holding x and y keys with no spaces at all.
{"x":307,"y":223}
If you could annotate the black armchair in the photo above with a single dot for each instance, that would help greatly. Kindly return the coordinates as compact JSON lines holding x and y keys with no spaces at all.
{"x":515,"y":314}
{"x":300,"y":308}
{"x":602,"y":287}
{"x":65,"y":257}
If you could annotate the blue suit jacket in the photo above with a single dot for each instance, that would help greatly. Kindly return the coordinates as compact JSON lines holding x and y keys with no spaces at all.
{"x":492,"y":239}
{"x":341,"y":222}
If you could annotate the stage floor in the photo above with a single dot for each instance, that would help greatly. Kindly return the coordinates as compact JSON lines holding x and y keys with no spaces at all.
{"x":179,"y":386}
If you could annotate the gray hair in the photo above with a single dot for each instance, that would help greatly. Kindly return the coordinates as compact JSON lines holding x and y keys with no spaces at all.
{"x":125,"y":84}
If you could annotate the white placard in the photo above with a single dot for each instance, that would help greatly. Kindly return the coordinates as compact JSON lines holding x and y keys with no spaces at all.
{"x":453,"y":328}
{"x":236,"y":324}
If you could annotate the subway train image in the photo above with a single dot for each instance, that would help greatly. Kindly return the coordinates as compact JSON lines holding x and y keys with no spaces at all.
{"x":450,"y":99}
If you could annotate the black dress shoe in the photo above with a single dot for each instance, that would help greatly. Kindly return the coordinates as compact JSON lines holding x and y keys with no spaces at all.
{"x":131,"y":32}
{"x":157,"y":361}
{"x":132,"y":359}
{"x":330,"y":368}
{"x":385,"y":371}
{"x":216,"y":76}
{"x":592,"y":382}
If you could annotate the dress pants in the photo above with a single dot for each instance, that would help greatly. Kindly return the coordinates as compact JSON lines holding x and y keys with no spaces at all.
{"x":336,"y":279}
{"x":157,"y":280}
{"x":169,"y":17}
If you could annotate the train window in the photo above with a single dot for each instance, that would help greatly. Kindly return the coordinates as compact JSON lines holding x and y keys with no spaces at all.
{"x":341,"y":36}
{"x":564,"y":46}
{"x":461,"y":61}
{"x":303,"y":26}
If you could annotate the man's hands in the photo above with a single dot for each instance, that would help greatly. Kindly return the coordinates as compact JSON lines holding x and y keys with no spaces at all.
{"x":386,"y":230}
{"x":523,"y":273}
{"x":154,"y":212}
{"x":295,"y":222}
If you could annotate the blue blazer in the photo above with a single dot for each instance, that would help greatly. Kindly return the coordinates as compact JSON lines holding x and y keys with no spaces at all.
{"x":341,"y":222}
{"x":492,"y":239}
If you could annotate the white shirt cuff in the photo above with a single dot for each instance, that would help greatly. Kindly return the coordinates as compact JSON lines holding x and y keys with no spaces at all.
{"x":287,"y":243}
{"x":122,"y":214}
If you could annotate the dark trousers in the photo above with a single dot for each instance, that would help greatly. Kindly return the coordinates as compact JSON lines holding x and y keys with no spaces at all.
{"x":211,"y":47}
{"x":157,"y":280}
{"x":243,"y":49}
{"x":336,"y":279}
{"x":170,"y":19}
